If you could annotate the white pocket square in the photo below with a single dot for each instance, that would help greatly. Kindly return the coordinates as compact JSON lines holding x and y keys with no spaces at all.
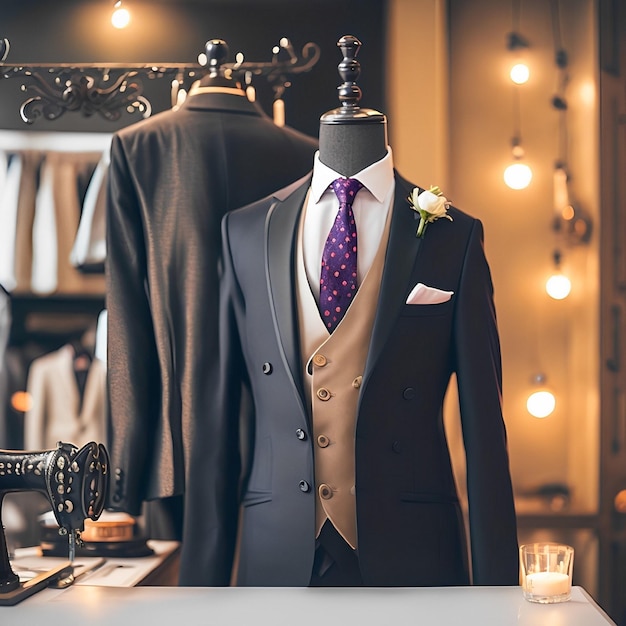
{"x":422,"y":294}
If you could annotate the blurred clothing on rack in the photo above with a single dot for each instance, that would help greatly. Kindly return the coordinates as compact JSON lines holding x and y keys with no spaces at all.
{"x":68,"y":399}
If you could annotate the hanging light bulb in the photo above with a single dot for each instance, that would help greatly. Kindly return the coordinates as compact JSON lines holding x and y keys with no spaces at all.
{"x":520,"y":73}
{"x":542,"y":402}
{"x":517,"y":175}
{"x":517,"y":44}
{"x":558,"y":286}
{"x":121,"y":16}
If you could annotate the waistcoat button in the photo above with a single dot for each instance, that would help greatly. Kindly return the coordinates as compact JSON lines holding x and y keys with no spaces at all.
{"x":267,"y":368}
{"x":323,"y":441}
{"x":408,"y":393}
{"x":319,"y":360}
{"x":326,"y":493}
{"x":356,"y":383}
{"x":323,"y":394}
{"x":300,"y":434}
{"x":304,"y":486}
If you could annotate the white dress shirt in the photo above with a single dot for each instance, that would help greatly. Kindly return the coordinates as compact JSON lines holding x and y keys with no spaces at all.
{"x":370,"y":208}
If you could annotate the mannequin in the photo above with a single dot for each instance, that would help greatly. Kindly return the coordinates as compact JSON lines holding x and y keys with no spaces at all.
{"x":348,"y":425}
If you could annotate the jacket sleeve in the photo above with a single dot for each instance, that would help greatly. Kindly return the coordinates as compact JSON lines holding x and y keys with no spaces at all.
{"x":132,"y":359}
{"x":493,"y":530}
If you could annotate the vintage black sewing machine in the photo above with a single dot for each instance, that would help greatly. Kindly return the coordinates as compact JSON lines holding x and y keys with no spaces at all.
{"x":75,"y":481}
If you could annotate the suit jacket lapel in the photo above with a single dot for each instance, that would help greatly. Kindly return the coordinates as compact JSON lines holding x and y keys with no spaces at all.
{"x":281,"y":229}
{"x":402,"y":252}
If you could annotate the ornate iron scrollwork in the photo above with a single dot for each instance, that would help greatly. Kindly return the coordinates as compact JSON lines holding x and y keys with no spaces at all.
{"x":111,"y":90}
{"x":85,"y":90}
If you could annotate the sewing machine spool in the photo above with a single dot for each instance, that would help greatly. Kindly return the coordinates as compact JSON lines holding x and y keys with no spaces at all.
{"x":75,"y":481}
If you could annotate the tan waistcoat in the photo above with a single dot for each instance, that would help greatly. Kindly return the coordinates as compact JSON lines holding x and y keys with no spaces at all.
{"x":333,"y":366}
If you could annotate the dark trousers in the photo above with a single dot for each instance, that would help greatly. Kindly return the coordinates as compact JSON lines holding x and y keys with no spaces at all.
{"x":336,"y":563}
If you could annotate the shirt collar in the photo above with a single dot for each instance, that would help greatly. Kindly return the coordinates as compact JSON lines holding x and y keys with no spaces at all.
{"x":377,"y":177}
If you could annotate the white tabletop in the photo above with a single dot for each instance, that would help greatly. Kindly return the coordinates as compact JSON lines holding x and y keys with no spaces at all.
{"x":226,"y":606}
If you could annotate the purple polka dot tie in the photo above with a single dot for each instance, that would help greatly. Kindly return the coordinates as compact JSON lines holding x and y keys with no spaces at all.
{"x":338,"y":278}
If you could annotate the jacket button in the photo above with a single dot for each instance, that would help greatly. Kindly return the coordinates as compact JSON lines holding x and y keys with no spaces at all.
{"x":326,"y":493}
{"x":323,"y":441}
{"x":304,"y":486}
{"x":319,"y":360}
{"x":267,"y":368}
{"x":395,"y":446}
{"x":300,"y":434}
{"x":323,"y":394}
{"x":408,"y":393}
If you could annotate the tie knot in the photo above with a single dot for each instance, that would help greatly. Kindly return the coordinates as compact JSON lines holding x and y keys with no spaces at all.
{"x":345,"y":189}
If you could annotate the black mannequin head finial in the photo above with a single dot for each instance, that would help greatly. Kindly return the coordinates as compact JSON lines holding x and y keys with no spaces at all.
{"x":349,"y":93}
{"x":216,"y":52}
{"x":351,"y":137}
{"x":349,"y":70}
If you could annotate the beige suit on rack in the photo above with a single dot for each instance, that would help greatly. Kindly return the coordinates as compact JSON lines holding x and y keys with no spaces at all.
{"x":56,"y":413}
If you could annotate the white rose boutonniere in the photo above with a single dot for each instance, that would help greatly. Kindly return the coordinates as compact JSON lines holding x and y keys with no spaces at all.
{"x":431,"y":204}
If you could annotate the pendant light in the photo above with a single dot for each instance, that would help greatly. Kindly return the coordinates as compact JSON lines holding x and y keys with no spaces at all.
{"x":518,"y":174}
{"x":120,"y":17}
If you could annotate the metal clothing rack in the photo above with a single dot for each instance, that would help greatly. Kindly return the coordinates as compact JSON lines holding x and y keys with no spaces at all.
{"x":110,"y":89}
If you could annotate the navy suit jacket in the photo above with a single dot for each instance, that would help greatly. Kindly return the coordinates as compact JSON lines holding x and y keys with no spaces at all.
{"x":409,"y":521}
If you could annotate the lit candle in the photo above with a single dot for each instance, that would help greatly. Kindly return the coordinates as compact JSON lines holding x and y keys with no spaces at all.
{"x":547,"y":584}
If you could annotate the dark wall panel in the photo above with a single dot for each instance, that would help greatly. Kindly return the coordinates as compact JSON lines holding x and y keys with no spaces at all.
{"x":73,"y":31}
